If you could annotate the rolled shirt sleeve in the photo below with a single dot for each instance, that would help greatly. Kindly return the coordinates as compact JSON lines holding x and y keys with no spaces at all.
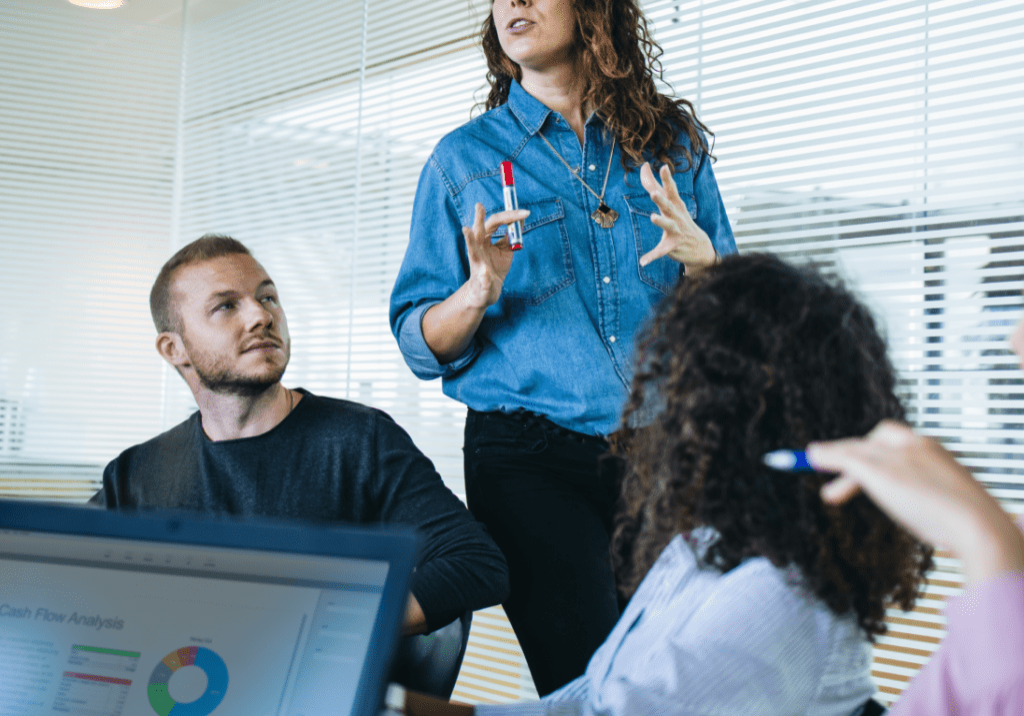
{"x":417,"y":353}
{"x":434,"y":267}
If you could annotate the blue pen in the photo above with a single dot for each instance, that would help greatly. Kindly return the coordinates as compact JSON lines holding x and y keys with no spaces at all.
{"x":787,"y":461}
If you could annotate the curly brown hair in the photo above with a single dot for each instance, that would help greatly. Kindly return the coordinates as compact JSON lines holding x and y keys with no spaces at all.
{"x":618,"y":63}
{"x":748,"y":356}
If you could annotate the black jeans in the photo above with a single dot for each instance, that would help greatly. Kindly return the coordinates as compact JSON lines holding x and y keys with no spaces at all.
{"x":547,"y":501}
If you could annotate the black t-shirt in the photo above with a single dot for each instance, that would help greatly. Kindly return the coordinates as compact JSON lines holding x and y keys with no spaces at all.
{"x":329,"y":460}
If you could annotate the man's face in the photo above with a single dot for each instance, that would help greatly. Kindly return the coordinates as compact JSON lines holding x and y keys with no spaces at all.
{"x":233,"y":328}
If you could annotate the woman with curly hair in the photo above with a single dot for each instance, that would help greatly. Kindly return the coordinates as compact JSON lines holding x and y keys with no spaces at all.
{"x":754,"y":356}
{"x":748,"y":594}
{"x":538,"y":342}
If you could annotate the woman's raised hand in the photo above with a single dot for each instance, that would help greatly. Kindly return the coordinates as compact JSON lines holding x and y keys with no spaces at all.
{"x":488,"y":263}
{"x":917,"y":483}
{"x":448,"y":327}
{"x":682,"y":239}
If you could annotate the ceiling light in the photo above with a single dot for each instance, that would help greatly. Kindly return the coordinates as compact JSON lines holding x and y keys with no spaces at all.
{"x":98,"y":4}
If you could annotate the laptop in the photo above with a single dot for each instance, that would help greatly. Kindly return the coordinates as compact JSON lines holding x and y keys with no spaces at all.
{"x":170,"y":614}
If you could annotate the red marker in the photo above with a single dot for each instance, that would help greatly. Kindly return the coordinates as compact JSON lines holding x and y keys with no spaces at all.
{"x":508,"y":189}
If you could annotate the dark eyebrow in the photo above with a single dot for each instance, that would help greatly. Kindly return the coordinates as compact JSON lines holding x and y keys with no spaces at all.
{"x":265,"y":282}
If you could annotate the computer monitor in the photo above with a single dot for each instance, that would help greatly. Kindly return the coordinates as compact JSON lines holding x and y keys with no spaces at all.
{"x":131,"y":614}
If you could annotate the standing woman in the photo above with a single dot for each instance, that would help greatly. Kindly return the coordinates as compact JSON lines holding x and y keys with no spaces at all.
{"x":538,"y":343}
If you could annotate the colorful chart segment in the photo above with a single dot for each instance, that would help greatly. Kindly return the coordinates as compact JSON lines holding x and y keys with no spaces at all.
{"x":216,"y":682}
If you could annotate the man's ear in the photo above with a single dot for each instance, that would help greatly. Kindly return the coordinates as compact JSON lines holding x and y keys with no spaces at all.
{"x":172,"y":349}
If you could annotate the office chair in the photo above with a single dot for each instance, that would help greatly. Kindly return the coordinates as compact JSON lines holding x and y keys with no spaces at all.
{"x":430,"y":663}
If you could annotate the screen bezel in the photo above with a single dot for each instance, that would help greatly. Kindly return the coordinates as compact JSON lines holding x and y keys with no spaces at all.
{"x":398,"y":546}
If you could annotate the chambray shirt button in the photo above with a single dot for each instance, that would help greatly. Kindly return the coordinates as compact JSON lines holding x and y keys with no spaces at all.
{"x":607,"y":279}
{"x":611,"y":339}
{"x":592,"y":168}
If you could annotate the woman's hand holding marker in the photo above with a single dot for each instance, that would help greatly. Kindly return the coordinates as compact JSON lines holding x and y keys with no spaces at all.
{"x":449,"y":326}
{"x":682,"y":240}
{"x":917,"y":483}
{"x":488,"y":263}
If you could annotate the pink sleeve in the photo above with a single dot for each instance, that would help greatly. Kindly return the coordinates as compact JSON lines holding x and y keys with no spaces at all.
{"x":979,"y":668}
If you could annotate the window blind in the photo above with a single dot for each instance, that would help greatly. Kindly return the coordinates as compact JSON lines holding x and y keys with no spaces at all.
{"x":304,"y":138}
{"x":879,"y":139}
{"x":86,"y":151}
{"x":882,"y":140}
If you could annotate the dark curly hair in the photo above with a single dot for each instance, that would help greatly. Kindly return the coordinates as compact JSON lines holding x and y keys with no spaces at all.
{"x":618,"y":61}
{"x":748,"y":356}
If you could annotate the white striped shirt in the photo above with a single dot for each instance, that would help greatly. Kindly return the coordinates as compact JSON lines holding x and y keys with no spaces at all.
{"x":695,"y":642}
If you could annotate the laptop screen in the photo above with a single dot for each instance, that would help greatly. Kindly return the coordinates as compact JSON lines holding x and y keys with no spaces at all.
{"x":99,"y":626}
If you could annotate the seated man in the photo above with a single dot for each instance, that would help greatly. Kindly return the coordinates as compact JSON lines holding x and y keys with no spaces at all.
{"x":258,"y":448}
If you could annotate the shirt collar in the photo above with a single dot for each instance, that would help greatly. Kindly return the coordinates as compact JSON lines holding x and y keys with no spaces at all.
{"x":531,"y":111}
{"x":527,"y":109}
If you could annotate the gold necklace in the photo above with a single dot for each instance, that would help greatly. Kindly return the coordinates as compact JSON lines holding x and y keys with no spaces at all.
{"x":604,"y":215}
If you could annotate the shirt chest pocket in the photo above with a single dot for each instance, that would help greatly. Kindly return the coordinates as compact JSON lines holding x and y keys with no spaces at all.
{"x":661,"y":274}
{"x":543,"y":267}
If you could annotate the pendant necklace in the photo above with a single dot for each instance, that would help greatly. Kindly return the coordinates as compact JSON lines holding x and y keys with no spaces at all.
{"x":604,"y":215}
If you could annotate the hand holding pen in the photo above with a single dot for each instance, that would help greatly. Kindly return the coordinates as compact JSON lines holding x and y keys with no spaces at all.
{"x":448,"y":327}
{"x":489,"y":263}
{"x":918,"y":483}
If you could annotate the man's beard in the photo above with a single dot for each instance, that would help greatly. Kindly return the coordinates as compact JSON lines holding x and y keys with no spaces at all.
{"x":218,"y":377}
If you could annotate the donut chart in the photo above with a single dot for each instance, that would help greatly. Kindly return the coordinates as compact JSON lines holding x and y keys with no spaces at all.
{"x":216,"y":682}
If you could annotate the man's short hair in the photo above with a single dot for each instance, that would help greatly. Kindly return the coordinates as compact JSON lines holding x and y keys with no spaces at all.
{"x":206,"y":247}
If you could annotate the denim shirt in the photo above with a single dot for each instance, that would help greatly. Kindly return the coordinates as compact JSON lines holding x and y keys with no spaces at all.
{"x":560,"y":339}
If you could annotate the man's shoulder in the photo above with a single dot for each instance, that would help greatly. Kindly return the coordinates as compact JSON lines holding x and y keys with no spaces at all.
{"x":339,"y":410}
{"x":150,"y":462}
{"x":354,"y":424}
{"x":177,"y":440}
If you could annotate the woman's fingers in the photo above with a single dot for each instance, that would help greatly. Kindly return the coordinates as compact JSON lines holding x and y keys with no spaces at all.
{"x":489,"y":263}
{"x":674,"y":210}
{"x":834,"y":455}
{"x":910,"y":477}
{"x":891,"y":433}
{"x":647,"y":180}
{"x":665,"y":196}
{"x":839,"y":490}
{"x":502,"y":218}
{"x":478,"y":236}
{"x":659,"y":194}
{"x":473,"y":243}
{"x":682,"y":239}
{"x":859,"y":462}
{"x":664,"y":248}
{"x":478,"y":220}
{"x":669,"y":183}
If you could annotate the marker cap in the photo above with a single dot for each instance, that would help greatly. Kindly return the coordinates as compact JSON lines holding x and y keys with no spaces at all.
{"x":506,"y":174}
{"x":788,"y":461}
